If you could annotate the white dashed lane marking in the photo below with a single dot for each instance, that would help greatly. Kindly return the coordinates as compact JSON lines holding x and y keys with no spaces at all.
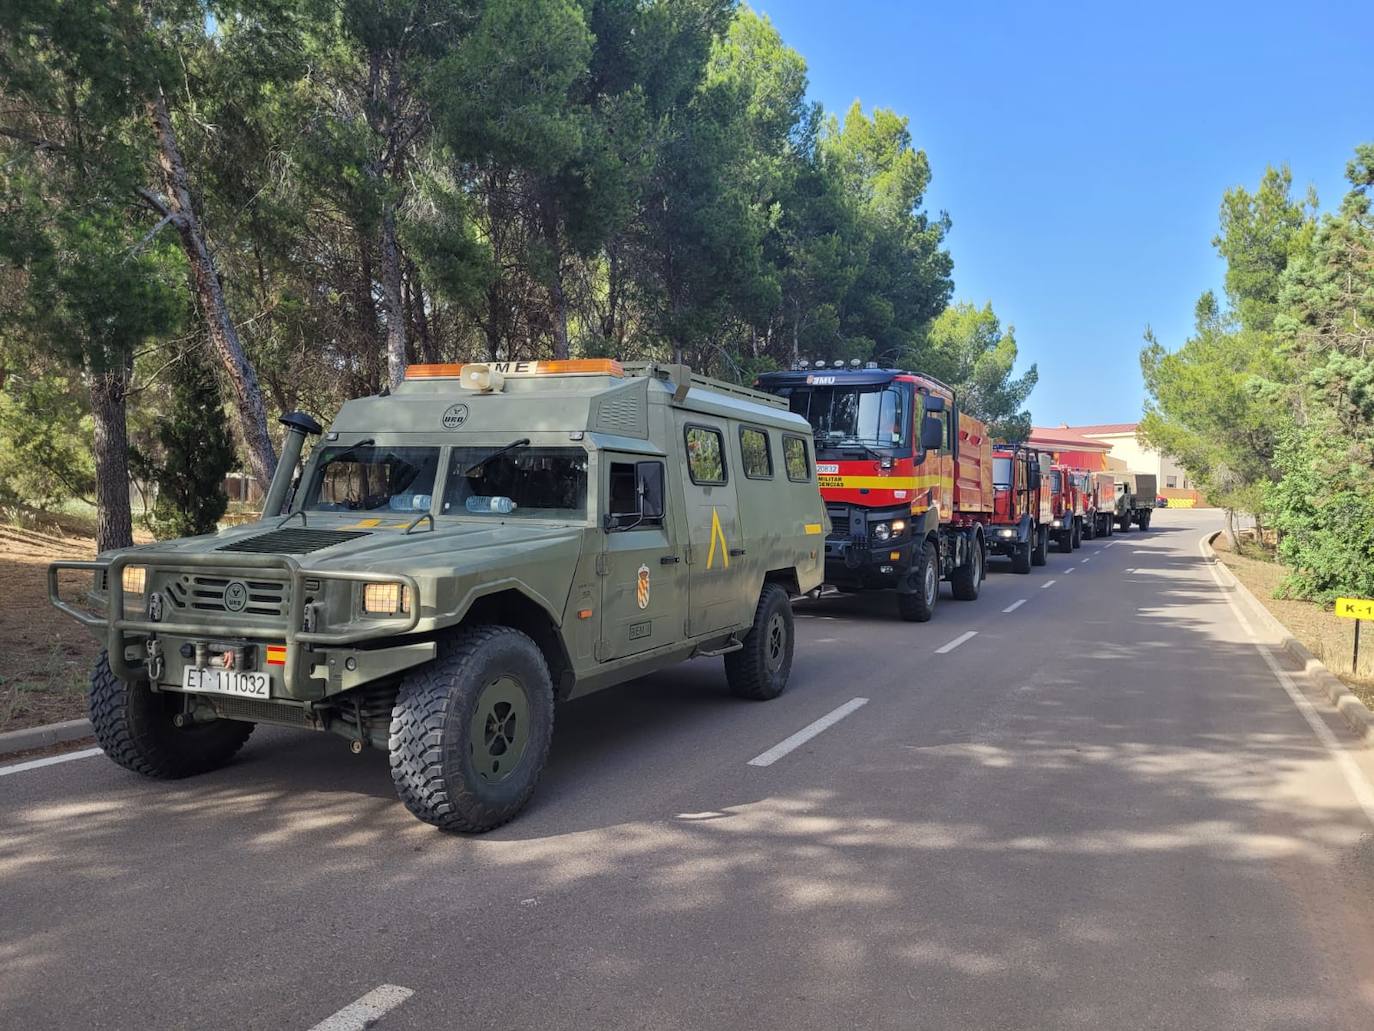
{"x":1015,"y":605}
{"x":1048,"y":583}
{"x":360,"y":1015}
{"x":807,"y":732}
{"x":968,"y":635}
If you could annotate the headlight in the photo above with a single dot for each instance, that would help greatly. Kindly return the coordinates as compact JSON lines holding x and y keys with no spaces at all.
{"x":1055,"y":524}
{"x":385,"y":599}
{"x":135,"y":579}
{"x":898,"y":525}
{"x":1006,"y":533}
{"x":881,"y":531}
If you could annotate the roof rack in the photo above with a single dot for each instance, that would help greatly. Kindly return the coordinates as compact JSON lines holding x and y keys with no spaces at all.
{"x":682,"y":378}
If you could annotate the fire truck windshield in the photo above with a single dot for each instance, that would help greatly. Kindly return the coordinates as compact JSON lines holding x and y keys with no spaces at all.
{"x":1001,"y":472}
{"x":855,"y":416}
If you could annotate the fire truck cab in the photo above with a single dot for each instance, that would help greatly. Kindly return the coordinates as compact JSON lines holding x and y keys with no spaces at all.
{"x":1021,"y":511}
{"x":906,"y":477}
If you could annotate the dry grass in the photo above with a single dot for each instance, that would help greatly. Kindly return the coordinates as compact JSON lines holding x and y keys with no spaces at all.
{"x":1326,"y":636}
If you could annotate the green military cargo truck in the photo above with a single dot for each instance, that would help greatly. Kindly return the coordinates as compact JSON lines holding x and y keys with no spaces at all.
{"x":453,"y":560}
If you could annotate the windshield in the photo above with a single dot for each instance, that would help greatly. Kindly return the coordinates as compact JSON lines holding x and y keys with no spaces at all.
{"x":1001,"y":472}
{"x":532,"y":483}
{"x":872,"y":416}
{"x":372,"y":478}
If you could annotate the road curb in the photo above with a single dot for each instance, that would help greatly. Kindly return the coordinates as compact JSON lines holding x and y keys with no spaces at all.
{"x":1355,"y":713}
{"x":41,"y":737}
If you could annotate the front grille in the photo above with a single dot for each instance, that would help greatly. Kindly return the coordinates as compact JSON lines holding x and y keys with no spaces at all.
{"x":200,"y":593}
{"x":255,"y":710}
{"x":293,"y":540}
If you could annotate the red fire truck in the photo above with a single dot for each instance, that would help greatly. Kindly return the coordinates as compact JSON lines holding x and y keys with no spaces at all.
{"x":1066,"y":507}
{"x":1100,"y":505}
{"x":906,"y":477}
{"x":1021,"y":509}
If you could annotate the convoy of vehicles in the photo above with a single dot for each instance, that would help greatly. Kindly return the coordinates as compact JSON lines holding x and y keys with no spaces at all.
{"x":907,"y":481}
{"x":488,"y":540}
{"x":456,"y":558}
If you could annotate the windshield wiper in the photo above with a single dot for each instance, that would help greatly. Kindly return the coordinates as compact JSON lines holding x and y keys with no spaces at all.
{"x":522,"y":442}
{"x":350,"y":449}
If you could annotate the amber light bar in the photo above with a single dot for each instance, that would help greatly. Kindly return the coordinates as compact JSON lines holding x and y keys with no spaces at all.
{"x":565,"y":367}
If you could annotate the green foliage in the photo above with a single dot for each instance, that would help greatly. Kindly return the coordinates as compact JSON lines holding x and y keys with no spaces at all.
{"x":44,"y":438}
{"x":968,"y":349}
{"x":193,"y":453}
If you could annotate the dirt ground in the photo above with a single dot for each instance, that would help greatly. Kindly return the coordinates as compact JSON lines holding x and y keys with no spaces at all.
{"x":1326,"y":636}
{"x":44,"y":656}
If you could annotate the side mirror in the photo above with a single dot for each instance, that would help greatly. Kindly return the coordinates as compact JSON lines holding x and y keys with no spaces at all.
{"x":933,"y":403}
{"x":932,"y":433}
{"x":1033,"y":476}
{"x":649,"y":487}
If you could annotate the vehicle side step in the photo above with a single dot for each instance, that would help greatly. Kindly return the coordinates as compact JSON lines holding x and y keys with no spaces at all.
{"x":732,"y":645}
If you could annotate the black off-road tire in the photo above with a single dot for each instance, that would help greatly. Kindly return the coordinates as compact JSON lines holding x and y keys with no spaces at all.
{"x":1021,"y":557}
{"x":760,"y":669}
{"x":968,"y":578}
{"x":134,"y":728}
{"x":1077,"y":534}
{"x":1040,"y":555}
{"x":1089,"y":528}
{"x":1124,"y":524}
{"x":1064,"y":543}
{"x":434,"y":763}
{"x":1145,"y":520}
{"x":919,"y":606}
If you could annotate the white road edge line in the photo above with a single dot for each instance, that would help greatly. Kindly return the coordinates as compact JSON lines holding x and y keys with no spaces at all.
{"x":360,"y":1015}
{"x":1048,"y":583}
{"x":52,"y":760}
{"x":1350,"y":770}
{"x":1015,"y":605}
{"x":804,"y":735}
{"x":967,"y":635}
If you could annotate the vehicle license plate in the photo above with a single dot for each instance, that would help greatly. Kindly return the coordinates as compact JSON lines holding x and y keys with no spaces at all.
{"x":226,"y":681}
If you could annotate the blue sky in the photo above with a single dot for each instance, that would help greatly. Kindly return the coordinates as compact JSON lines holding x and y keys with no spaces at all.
{"x":1082,"y":151}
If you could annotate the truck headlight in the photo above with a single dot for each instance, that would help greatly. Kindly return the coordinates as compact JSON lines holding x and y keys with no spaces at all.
{"x":135,"y":579}
{"x":881,"y":531}
{"x":898,"y":527}
{"x":1008,"y":532}
{"x":385,"y":599}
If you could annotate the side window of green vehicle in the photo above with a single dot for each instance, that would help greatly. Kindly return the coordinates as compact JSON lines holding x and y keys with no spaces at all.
{"x":795,"y":457}
{"x":758,"y":457}
{"x":705,"y":455}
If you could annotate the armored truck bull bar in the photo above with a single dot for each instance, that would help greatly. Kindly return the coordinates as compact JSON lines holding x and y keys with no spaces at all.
{"x":117,"y":624}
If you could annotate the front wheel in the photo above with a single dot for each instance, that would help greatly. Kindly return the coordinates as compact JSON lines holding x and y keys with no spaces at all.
{"x":134,"y":728}
{"x":1076,"y":536}
{"x":1145,"y":521}
{"x":760,"y":669}
{"x":919,"y":605}
{"x":470,"y":732}
{"x":1065,"y":542}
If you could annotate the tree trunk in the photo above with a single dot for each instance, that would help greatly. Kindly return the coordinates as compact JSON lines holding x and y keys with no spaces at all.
{"x":249,"y":411}
{"x":393,"y":300}
{"x":1229,"y":529}
{"x":558,"y":298}
{"x":113,"y":520}
{"x":424,"y":340}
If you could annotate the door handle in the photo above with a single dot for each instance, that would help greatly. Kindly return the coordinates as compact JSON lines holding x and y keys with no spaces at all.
{"x":736,"y":552}
{"x":668,"y":560}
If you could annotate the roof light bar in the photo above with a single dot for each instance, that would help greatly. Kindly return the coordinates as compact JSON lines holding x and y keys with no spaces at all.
{"x":562,"y":367}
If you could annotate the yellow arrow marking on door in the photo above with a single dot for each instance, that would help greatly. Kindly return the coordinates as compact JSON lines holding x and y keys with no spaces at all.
{"x":717,"y":533}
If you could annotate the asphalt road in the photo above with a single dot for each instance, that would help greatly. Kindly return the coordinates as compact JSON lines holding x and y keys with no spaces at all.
{"x":1102,"y":810}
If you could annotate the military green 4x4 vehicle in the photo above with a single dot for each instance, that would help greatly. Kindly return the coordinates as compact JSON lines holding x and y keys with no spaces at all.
{"x":453,"y":560}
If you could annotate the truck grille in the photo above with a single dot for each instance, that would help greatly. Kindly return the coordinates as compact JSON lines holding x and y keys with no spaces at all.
{"x":291,"y":541}
{"x":199,"y":593}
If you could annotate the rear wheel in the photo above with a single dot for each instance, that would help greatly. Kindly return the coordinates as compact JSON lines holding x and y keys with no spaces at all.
{"x":134,"y":727}
{"x":969,"y":577}
{"x":1041,"y":553}
{"x":470,"y":732}
{"x":760,"y":669}
{"x":919,"y":605}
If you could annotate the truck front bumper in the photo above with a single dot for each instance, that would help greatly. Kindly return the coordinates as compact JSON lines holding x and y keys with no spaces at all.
{"x":866,"y":565}
{"x":316,"y":663}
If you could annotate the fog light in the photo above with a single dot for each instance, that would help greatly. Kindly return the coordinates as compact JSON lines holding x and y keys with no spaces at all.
{"x":385,"y":599}
{"x":135,"y":579}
